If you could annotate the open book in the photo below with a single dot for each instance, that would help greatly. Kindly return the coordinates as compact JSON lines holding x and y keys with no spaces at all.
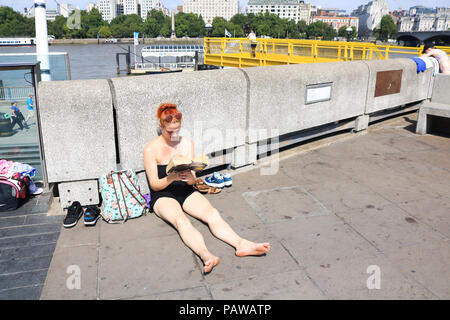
{"x":181,"y":163}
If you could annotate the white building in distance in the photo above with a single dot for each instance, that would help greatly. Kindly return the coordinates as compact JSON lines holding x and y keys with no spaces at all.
{"x":65,"y":9}
{"x":286,"y":9}
{"x":425,"y":19}
{"x":209,"y":9}
{"x":90,"y":6}
{"x":148,"y":5}
{"x":130,"y":7}
{"x":370,"y":16}
{"x":108,"y":9}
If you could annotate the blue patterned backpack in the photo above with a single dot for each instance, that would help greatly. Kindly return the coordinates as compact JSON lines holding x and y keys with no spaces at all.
{"x":121,"y":196}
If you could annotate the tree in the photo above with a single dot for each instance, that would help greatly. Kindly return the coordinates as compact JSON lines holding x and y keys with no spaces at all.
{"x":343,"y":32}
{"x":321,"y":29}
{"x":12,"y":24}
{"x":56,"y":27}
{"x":387,"y":29}
{"x":105,"y":32}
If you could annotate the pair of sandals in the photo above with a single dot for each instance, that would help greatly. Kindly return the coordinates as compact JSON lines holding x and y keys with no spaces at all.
{"x":203,"y":187}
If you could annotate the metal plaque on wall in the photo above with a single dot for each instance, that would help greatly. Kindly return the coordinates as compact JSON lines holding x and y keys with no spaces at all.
{"x":388,"y":82}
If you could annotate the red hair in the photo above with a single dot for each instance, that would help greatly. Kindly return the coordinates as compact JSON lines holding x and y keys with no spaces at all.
{"x":166,"y":109}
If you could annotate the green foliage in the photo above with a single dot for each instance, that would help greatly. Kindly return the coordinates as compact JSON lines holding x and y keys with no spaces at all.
{"x":14,"y":24}
{"x":105,"y":32}
{"x":189,"y":24}
{"x":157,"y":24}
{"x":320,"y":29}
{"x":343,"y":32}
{"x":387,"y":29}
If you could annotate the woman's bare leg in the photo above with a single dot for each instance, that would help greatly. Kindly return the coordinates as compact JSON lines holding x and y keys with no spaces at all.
{"x":199,"y":207}
{"x":170,"y":210}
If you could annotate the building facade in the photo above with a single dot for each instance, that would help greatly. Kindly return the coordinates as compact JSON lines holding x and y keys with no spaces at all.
{"x":65,"y":9}
{"x":338,"y":22}
{"x":437,"y":20}
{"x":130,"y":7}
{"x":370,"y":16}
{"x":331,"y":12}
{"x":108,"y":9}
{"x":286,"y":9}
{"x":148,"y":5}
{"x":209,"y":9}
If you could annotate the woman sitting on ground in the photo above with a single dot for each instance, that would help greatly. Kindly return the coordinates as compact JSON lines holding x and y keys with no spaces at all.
{"x":172,"y":195}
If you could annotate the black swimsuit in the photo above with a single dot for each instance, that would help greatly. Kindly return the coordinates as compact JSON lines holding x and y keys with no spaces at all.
{"x":178,"y":190}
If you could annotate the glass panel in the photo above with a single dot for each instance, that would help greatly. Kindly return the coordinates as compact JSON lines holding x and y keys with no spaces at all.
{"x":19,"y":137}
{"x":19,"y":134}
{"x":58,"y":63}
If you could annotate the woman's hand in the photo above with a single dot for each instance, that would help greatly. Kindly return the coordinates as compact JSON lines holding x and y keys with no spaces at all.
{"x":187,"y":177}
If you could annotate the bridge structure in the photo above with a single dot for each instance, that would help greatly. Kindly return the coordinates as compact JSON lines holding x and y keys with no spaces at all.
{"x":238,"y":52}
{"x":420,"y":37}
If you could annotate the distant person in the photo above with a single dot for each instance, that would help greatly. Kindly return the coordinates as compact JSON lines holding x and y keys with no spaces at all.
{"x":30,"y":107}
{"x":444,"y":63}
{"x":17,"y":116}
{"x":252,"y":37}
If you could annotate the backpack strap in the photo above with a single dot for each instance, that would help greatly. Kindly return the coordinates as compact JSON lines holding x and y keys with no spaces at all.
{"x":131,"y":192}
{"x":117,"y":197}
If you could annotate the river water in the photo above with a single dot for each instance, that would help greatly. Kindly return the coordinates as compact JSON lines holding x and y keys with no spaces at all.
{"x":87,"y":61}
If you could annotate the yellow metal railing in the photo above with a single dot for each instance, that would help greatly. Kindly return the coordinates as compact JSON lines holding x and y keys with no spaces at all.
{"x":237,"y":52}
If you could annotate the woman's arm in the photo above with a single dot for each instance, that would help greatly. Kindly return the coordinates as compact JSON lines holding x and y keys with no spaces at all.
{"x":151,"y":169}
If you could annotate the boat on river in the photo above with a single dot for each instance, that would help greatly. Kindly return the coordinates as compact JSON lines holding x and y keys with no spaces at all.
{"x":20,"y":42}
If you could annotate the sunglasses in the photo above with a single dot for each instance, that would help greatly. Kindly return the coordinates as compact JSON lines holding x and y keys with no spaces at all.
{"x":170,"y":117}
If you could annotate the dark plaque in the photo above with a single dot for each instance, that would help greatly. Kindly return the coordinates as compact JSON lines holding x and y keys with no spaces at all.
{"x":388,"y":82}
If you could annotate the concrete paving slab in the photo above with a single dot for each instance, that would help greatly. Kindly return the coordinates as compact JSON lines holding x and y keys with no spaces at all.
{"x":341,"y":196}
{"x":427,"y":263}
{"x":28,"y":252}
{"x":70,"y":265}
{"x":233,"y":207}
{"x":427,"y":212}
{"x":197,"y":293}
{"x":389,"y":227}
{"x":146,"y":266}
{"x":270,"y":205}
{"x":22,"y":279}
{"x":25,"y":293}
{"x":79,"y":235}
{"x":232,"y":267}
{"x":317,"y":241}
{"x":145,"y":227}
{"x":348,"y":279}
{"x":311,"y":168}
{"x":291,"y":285}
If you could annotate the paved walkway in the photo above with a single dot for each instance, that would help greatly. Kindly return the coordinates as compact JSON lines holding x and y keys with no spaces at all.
{"x":336,"y":216}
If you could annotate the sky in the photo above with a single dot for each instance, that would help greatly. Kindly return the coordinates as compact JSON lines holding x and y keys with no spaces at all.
{"x":348,"y":5}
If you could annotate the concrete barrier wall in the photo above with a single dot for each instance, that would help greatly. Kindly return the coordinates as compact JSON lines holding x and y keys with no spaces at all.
{"x":222,"y":110}
{"x":414,"y":87}
{"x":441,"y":89}
{"x":278,"y":95}
{"x":212,"y":102}
{"x":77,"y":129}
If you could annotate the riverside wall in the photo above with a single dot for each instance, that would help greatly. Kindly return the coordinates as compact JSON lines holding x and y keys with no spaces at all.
{"x":88,"y":126}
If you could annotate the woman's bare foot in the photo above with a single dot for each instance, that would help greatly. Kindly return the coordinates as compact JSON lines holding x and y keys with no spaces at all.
{"x":210,"y":262}
{"x":248,"y":248}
